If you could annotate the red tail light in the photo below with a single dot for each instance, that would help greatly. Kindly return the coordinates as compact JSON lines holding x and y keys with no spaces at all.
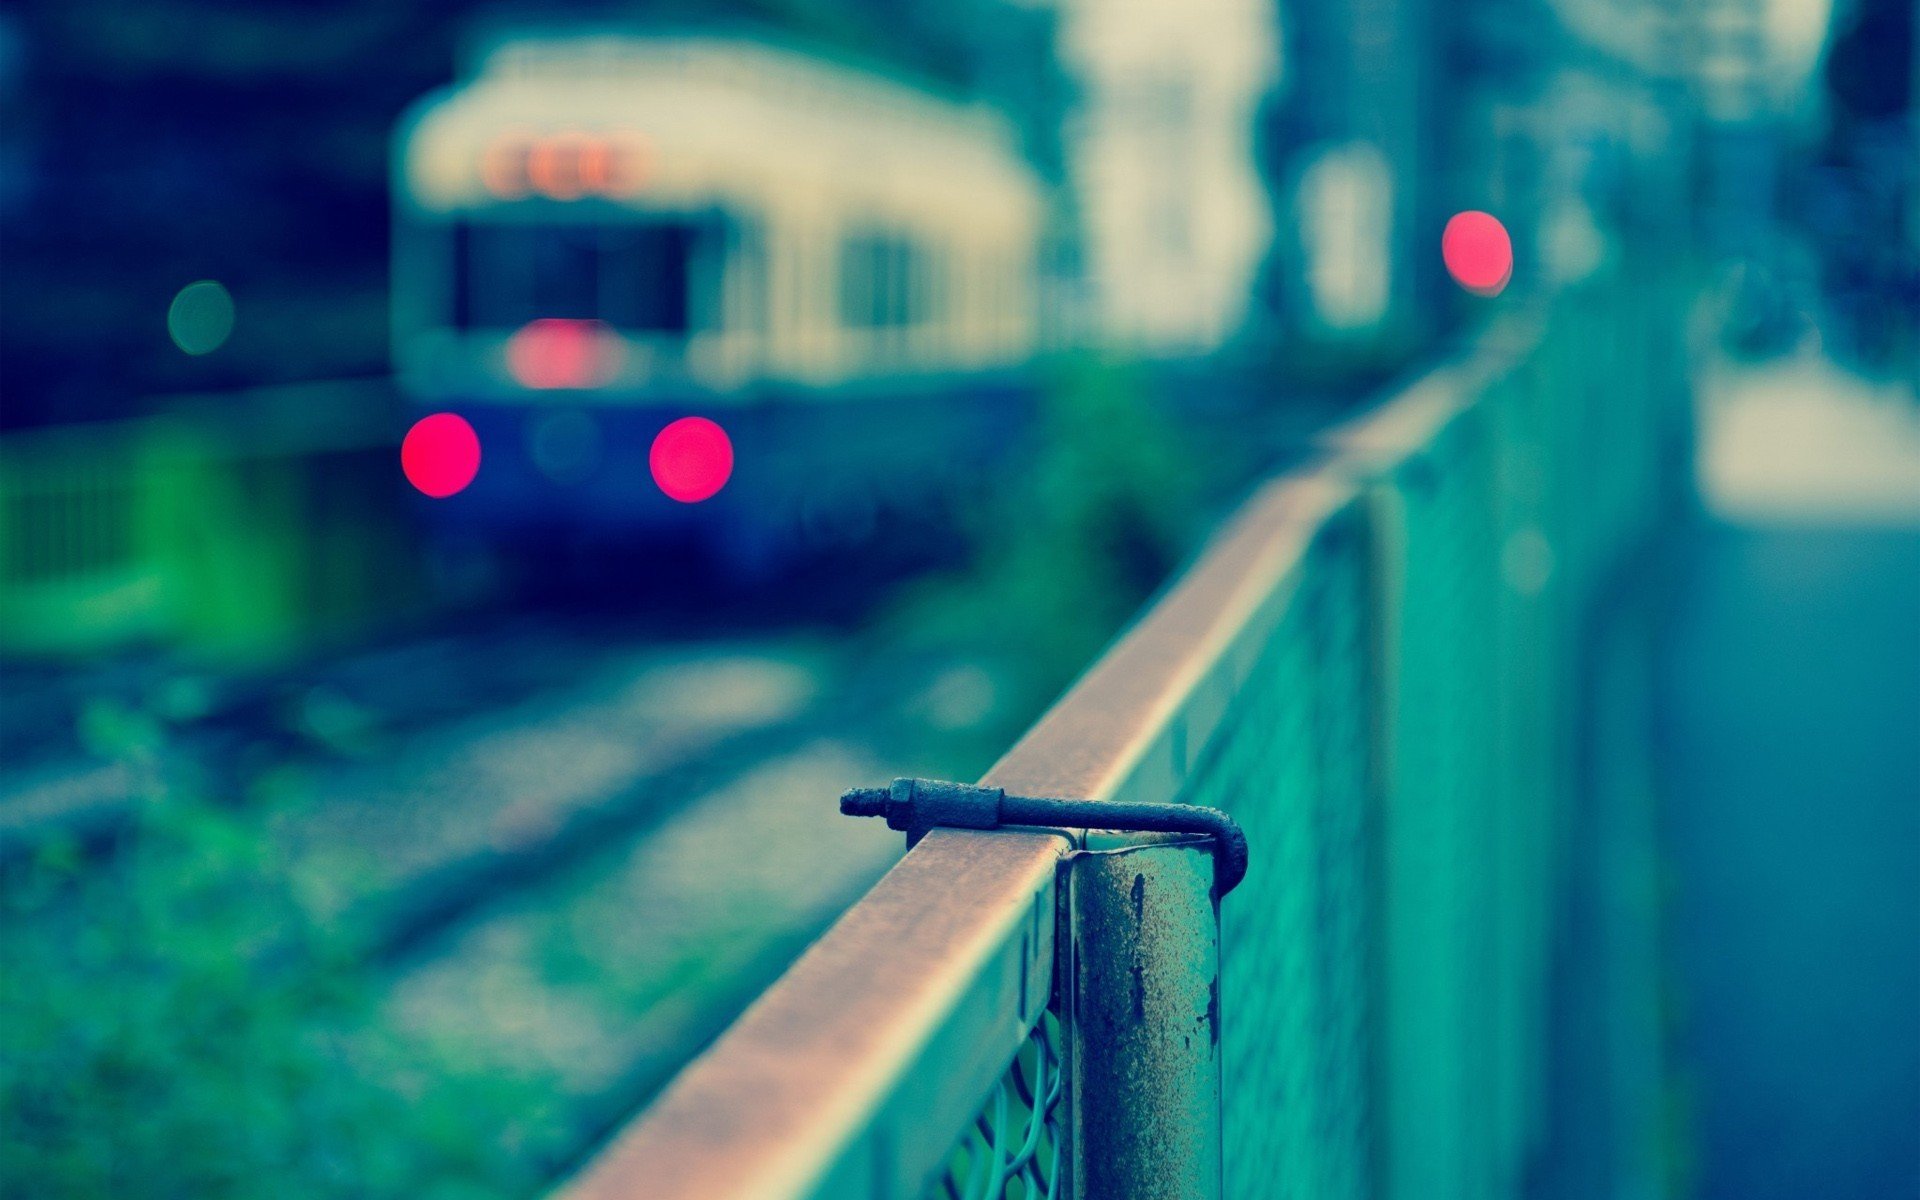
{"x":559,"y":353}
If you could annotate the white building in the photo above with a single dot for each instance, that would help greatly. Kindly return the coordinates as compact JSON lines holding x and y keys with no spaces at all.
{"x":1174,"y":218}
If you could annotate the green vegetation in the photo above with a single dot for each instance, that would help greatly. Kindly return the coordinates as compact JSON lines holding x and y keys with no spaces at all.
{"x":178,"y":1026}
{"x":180,"y":1022}
{"x":1070,"y":542}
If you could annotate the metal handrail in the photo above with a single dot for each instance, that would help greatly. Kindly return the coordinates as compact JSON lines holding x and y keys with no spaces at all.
{"x":854,"y":1075}
{"x":926,"y":988}
{"x":923,"y":991}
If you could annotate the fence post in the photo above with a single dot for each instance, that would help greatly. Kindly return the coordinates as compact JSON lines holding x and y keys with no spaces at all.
{"x":1143,"y":989}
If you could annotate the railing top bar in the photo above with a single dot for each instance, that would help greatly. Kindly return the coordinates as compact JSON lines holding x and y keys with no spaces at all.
{"x":1383,"y":435}
{"x":1407,"y":421}
{"x":1089,"y":742}
{"x":792,"y":1096}
{"x":791,"y":1092}
{"x":799,"y":1097}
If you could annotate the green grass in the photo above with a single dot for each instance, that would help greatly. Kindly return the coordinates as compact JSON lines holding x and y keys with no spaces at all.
{"x":177,"y":1026}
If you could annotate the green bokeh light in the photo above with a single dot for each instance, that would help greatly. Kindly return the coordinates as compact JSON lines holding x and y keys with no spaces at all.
{"x":200,"y":319}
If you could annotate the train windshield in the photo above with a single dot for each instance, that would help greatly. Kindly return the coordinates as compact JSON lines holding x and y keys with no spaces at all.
{"x":646,"y":277}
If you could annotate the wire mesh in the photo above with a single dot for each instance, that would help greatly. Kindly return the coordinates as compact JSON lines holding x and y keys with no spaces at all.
{"x":1396,"y":733}
{"x":1434,"y":816}
{"x":1289,"y":759}
{"x":1401,"y":759}
{"x":1014,"y":1147}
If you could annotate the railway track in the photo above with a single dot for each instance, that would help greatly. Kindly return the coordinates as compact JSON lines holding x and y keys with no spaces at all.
{"x":495,"y":802}
{"x":79,"y":751}
{"x":606,"y":975}
{"x":569,"y":855}
{"x":562,"y":852}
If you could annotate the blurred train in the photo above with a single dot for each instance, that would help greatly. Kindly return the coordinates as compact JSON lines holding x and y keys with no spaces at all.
{"x":601,"y":234}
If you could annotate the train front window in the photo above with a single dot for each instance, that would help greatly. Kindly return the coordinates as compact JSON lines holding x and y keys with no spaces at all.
{"x":639,"y":278}
{"x":649,"y":276}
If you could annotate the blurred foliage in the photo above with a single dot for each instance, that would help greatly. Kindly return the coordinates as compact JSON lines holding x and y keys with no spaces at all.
{"x":1073,"y":537}
{"x":177,"y":1025}
{"x":1857,"y":202}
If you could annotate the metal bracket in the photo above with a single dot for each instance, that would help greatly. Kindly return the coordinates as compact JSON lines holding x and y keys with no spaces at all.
{"x":915,"y":806}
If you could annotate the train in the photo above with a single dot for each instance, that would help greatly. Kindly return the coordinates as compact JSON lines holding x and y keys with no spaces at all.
{"x":742,"y":294}
{"x":821,"y":280}
{"x":747,"y":294}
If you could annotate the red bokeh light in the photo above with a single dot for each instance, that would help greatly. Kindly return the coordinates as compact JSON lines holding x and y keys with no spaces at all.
{"x":1478,"y":252}
{"x":691,"y":459}
{"x":441,"y":454}
{"x":553,"y":166}
{"x":565,"y":165}
{"x":557,"y":353}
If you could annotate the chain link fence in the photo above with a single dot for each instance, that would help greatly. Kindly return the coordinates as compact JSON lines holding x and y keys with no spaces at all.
{"x":1376,"y":670}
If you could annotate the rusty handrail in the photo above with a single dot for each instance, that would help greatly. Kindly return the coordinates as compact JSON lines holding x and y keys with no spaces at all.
{"x":799,"y":1097}
{"x":855,"y":1072}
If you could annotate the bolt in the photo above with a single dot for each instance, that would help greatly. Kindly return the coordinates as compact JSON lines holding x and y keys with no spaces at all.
{"x":865,"y":802}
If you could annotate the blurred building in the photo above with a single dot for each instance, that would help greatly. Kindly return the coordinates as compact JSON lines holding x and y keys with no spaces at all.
{"x":1160,"y":151}
{"x":1353,"y":145}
